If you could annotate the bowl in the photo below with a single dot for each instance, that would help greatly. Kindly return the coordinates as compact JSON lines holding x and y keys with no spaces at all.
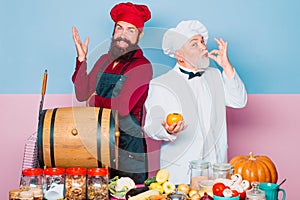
{"x":178,"y":196}
{"x":226,"y":198}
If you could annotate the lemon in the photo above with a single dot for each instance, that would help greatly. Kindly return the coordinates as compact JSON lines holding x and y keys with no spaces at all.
{"x":156,"y":186}
{"x":162,"y":176}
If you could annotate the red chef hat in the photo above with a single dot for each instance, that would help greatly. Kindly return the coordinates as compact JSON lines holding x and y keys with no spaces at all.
{"x":132,"y":13}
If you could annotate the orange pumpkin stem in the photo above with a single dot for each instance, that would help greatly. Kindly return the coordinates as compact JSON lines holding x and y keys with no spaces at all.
{"x":251,"y":157}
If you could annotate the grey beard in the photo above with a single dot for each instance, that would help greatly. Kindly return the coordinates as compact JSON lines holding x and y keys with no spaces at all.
{"x":202,"y":64}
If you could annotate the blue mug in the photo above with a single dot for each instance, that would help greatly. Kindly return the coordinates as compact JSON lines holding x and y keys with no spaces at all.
{"x":272,"y":190}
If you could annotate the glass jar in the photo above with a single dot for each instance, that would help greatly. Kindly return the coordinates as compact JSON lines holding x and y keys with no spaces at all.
{"x":31,"y":178}
{"x":199,"y":170}
{"x":14,"y":194}
{"x":97,"y":184}
{"x":75,"y":184}
{"x":205,"y":186}
{"x":222,"y":170}
{"x":53,"y":184}
{"x":255,"y":193}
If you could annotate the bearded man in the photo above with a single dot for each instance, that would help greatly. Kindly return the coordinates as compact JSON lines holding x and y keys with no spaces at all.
{"x":119,"y":81}
{"x":197,"y":91}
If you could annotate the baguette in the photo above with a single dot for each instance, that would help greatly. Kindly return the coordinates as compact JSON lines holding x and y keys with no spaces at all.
{"x":144,"y":195}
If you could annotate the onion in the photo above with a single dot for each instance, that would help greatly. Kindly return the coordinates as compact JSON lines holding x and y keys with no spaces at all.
{"x":206,"y":197}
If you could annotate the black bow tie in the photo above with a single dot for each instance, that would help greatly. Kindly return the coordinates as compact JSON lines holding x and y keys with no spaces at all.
{"x":192,"y":74}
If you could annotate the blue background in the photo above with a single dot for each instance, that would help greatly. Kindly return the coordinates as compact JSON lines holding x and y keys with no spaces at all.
{"x":35,"y":35}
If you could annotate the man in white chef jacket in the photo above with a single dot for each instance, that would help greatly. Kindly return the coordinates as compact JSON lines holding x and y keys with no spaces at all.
{"x":201,"y":97}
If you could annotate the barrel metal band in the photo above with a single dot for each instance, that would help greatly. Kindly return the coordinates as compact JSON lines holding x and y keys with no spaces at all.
{"x":52,"y":156}
{"x":40,"y":138}
{"x":99,"y":138}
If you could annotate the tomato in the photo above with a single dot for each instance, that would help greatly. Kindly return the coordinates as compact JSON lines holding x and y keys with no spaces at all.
{"x":243,"y":195}
{"x":234,"y":193}
{"x":218,"y":189}
{"x":173,"y":118}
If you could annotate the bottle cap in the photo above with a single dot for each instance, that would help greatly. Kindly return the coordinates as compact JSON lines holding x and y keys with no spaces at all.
{"x":76,"y":171}
{"x":97,"y":171}
{"x":32,"y":172}
{"x":54,"y":171}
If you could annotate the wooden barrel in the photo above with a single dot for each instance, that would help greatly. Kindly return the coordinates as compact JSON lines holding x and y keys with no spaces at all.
{"x":76,"y":137}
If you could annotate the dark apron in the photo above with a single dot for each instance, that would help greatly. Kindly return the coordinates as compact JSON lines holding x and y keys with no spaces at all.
{"x":132,"y":145}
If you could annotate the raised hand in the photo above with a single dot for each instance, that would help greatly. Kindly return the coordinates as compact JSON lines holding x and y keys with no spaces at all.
{"x":81,"y":49}
{"x":221,"y":57}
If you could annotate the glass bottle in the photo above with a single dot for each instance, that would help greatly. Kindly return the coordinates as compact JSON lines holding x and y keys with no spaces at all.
{"x":199,"y":170}
{"x":222,"y":170}
{"x":255,"y":193}
{"x":31,"y":178}
{"x":54,"y":180}
{"x":75,"y":184}
{"x":97,"y":183}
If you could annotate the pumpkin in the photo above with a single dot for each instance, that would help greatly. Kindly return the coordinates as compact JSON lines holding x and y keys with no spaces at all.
{"x":255,"y":168}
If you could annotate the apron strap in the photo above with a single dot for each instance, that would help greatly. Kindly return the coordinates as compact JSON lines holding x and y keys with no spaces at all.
{"x":126,"y":66}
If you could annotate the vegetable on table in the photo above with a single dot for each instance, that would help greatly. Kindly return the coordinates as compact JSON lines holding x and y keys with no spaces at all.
{"x":255,"y":168}
{"x":118,"y":187}
{"x":150,"y":180}
{"x":144,"y":195}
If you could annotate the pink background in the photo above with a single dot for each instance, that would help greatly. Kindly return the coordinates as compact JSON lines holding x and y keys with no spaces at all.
{"x":269,"y":125}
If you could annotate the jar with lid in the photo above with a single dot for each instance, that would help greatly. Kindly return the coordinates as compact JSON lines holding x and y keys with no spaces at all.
{"x":199,"y":170}
{"x":75,"y":184}
{"x":222,"y":170}
{"x":255,"y":193}
{"x":206,"y":186}
{"x":14,"y":194}
{"x":31,"y":178}
{"x":97,"y":184}
{"x":53,"y":184}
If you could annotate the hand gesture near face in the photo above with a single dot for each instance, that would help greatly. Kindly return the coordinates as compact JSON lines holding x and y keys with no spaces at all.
{"x":81,"y":49}
{"x":220,"y":56}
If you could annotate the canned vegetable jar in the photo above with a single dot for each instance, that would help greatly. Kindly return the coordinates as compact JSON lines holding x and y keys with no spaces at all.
{"x":53,"y":184}
{"x":97,"y":183}
{"x":75,"y":184}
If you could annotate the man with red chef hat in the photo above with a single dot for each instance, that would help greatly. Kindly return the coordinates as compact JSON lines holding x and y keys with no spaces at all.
{"x":119,"y":81}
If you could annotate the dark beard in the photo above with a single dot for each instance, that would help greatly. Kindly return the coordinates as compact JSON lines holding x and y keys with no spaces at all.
{"x":121,"y":54}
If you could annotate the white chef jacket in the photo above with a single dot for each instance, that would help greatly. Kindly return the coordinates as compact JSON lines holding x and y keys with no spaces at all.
{"x":202,"y":101}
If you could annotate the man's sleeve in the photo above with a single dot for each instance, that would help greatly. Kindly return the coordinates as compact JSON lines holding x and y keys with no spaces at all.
{"x":235,"y":91}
